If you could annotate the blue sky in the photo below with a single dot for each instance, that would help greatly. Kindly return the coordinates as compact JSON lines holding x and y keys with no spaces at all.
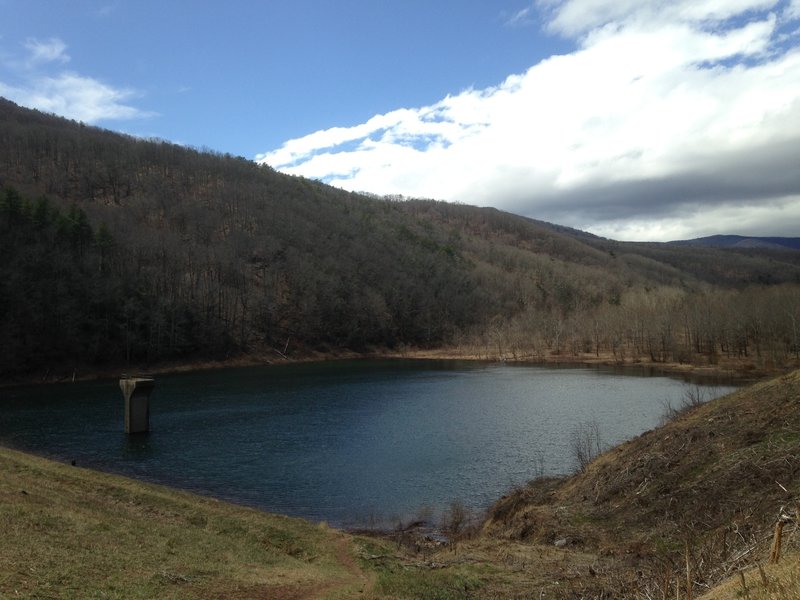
{"x":244,"y":76}
{"x":634,"y":119}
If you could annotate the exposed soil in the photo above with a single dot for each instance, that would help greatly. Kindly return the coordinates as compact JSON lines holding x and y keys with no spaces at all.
{"x":358,"y":581}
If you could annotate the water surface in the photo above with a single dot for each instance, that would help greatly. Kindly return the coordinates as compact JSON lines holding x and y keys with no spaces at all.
{"x":351,"y":443}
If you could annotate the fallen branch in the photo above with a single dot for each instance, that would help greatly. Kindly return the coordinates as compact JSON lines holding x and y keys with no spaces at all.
{"x":285,"y":348}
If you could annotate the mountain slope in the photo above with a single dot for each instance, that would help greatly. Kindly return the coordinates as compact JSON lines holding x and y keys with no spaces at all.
{"x":122,"y":251}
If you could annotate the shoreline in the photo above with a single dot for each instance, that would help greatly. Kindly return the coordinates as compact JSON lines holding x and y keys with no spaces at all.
{"x":731,"y":369}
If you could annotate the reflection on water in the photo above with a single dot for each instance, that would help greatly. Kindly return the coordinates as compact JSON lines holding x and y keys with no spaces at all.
{"x":346,"y":442}
{"x":136,"y":447}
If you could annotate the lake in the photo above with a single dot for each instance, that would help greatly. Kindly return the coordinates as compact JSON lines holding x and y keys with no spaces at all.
{"x":353,"y":443}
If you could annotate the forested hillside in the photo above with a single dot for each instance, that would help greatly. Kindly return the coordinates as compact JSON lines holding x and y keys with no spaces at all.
{"x":118,"y":250}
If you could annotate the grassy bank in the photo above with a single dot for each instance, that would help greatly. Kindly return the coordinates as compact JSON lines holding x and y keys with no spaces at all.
{"x":69,"y":532}
{"x":74,"y":533}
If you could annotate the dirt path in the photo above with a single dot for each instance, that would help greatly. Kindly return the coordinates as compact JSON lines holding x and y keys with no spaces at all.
{"x":357,"y":582}
{"x":365,"y":580}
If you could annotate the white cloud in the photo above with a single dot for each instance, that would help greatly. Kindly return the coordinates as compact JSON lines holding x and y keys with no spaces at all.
{"x":65,"y":93}
{"x":576,"y":17}
{"x":52,"y":50}
{"x":521,"y":17}
{"x":732,"y":220}
{"x":76,"y":97}
{"x":658,"y":96}
{"x":107,"y":9}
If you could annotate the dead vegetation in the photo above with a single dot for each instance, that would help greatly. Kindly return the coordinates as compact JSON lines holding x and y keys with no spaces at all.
{"x":696,"y":500}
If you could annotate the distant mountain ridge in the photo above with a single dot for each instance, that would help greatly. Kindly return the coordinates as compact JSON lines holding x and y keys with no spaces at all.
{"x":740,"y":241}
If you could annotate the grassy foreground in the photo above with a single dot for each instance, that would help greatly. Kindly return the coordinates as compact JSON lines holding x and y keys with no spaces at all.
{"x":68,"y":532}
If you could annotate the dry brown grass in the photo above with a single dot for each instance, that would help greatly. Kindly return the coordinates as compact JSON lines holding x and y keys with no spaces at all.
{"x":762,"y":582}
{"x":705,"y":489}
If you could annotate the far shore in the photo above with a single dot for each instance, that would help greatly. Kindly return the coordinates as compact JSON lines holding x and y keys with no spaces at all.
{"x":745,"y":369}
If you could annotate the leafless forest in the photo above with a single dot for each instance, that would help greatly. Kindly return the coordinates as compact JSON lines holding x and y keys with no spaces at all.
{"x":118,"y":250}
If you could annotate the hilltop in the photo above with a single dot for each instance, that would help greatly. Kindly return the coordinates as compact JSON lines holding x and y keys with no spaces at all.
{"x":740,"y":241}
{"x":118,"y":252}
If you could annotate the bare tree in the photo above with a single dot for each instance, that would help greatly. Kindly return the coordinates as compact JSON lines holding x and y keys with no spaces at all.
{"x":585,"y":443}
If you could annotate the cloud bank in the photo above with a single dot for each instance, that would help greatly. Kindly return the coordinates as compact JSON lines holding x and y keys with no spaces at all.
{"x":41,"y":82}
{"x":670,"y":119}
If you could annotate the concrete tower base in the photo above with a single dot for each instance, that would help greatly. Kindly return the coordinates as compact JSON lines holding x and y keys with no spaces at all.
{"x":136,"y":391}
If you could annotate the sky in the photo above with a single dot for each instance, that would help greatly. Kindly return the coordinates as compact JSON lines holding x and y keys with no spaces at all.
{"x":632,"y":119}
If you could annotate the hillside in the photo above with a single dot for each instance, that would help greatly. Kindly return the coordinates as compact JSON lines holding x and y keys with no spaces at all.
{"x":711,"y":482}
{"x":117,"y":251}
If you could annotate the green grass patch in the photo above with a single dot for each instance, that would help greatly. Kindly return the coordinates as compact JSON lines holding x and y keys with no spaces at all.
{"x":397,"y":576}
{"x":783,"y":438}
{"x":74,"y":533}
{"x":429,"y":584}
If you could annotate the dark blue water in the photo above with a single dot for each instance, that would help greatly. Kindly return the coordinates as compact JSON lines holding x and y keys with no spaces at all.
{"x":352,"y":443}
